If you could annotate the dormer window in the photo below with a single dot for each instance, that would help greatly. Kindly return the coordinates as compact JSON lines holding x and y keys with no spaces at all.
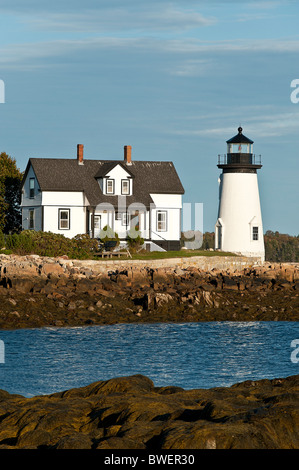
{"x":125,"y":186}
{"x":109,"y":186}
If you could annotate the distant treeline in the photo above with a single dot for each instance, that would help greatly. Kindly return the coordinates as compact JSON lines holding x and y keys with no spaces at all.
{"x":279,"y":247}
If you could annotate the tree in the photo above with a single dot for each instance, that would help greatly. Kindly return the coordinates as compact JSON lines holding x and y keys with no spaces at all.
{"x":280,"y":247}
{"x":10,"y":194}
{"x":208,"y":240}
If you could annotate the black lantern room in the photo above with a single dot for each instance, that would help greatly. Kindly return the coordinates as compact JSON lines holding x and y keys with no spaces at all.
{"x":239,"y":157}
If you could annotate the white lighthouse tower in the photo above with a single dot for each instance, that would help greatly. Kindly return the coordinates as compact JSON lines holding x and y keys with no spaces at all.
{"x":239,"y":226}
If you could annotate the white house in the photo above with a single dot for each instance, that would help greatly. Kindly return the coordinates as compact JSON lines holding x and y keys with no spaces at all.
{"x":76,"y":196}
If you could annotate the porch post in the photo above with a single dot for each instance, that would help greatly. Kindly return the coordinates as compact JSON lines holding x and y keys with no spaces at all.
{"x":87,"y":221}
{"x":92,"y":223}
{"x":150,"y":223}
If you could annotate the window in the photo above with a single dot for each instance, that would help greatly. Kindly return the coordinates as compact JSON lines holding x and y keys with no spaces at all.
{"x":97,"y":222}
{"x":63,"y":219}
{"x":255,"y":233}
{"x":31,"y":219}
{"x":161,"y":221}
{"x":125,"y":186}
{"x":109,"y":186}
{"x":125,"y":219}
{"x":31,"y":187}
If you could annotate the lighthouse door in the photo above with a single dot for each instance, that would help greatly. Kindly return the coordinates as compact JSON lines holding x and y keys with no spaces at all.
{"x":219,"y":237}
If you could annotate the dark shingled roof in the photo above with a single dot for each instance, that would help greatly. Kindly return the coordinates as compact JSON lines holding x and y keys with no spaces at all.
{"x":108,"y":166}
{"x":239,"y":138}
{"x":55,"y":174}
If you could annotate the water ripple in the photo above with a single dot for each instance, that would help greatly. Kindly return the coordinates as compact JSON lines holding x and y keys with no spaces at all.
{"x":189,"y":355}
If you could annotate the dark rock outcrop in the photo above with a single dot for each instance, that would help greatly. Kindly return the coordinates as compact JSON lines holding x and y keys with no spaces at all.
{"x":38,"y":292}
{"x":131,"y":413}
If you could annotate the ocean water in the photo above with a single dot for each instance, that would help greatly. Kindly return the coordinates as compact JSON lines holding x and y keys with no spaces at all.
{"x":189,"y":355}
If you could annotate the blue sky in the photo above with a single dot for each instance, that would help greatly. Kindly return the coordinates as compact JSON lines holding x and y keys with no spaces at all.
{"x":174,"y":79}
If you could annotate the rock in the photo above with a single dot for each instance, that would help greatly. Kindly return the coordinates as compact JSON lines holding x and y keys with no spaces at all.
{"x":35,"y":439}
{"x":230,"y":283}
{"x":14,"y":314}
{"x":285,"y":285}
{"x":207,"y":287}
{"x":85,"y":286}
{"x":131,"y":413}
{"x":22,"y":285}
{"x":207,"y":298}
{"x":72,"y":306}
{"x":160,"y":276}
{"x":74,"y":441}
{"x":140,"y":277}
{"x":52,"y":268}
{"x":161,"y":298}
{"x":176,"y":292}
{"x":105,"y":293}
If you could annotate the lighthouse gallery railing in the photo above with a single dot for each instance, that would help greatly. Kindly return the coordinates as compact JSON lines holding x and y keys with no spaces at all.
{"x":238,"y":158}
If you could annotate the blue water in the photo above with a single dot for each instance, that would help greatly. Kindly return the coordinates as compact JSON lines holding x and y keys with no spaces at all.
{"x":189,"y":355}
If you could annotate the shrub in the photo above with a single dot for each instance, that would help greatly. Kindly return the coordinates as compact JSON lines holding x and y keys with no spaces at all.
{"x":12,"y":241}
{"x":84,"y":246}
{"x":51,"y":244}
{"x":23,"y":243}
{"x":134,"y":241}
{"x":108,"y":235}
{"x":2,"y":240}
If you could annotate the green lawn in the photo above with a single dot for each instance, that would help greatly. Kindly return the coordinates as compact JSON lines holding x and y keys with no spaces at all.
{"x":179,"y":254}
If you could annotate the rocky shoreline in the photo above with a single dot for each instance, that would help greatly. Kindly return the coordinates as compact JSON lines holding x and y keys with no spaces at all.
{"x":37,"y":292}
{"x":131,"y":413}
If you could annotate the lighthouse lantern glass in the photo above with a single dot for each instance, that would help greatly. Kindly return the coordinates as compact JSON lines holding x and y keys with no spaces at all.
{"x":239,"y":148}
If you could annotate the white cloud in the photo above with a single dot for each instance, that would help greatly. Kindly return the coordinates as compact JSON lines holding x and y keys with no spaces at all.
{"x":39,"y":53}
{"x":266,"y":5}
{"x":259,"y":125}
{"x":100,"y":20}
{"x":198,"y":56}
{"x":237,"y":45}
{"x":192,"y":68}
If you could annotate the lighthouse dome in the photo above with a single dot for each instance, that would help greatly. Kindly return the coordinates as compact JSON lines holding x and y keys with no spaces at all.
{"x":239,"y":138}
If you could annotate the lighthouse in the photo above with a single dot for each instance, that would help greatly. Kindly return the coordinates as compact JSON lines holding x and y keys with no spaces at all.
{"x":239,"y":226}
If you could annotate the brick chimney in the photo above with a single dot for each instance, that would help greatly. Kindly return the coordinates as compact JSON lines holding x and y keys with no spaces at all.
{"x":127,"y":154}
{"x":80,"y":154}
